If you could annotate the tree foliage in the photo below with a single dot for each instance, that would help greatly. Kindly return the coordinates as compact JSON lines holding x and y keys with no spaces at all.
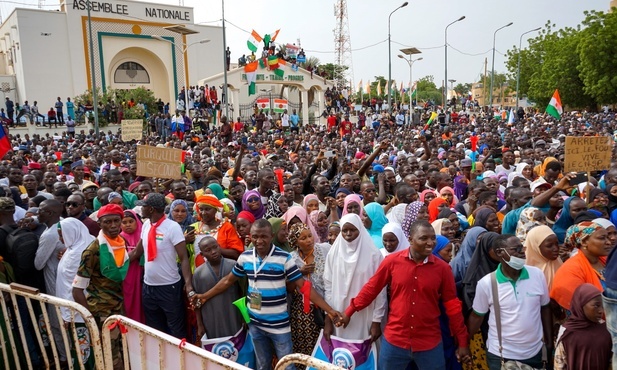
{"x":120,"y":96}
{"x":579,"y":62}
{"x":463,"y":89}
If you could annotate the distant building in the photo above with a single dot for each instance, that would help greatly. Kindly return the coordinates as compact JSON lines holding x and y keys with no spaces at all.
{"x":503,"y":96}
{"x":45,"y":54}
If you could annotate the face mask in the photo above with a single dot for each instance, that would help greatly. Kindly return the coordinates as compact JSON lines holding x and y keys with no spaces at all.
{"x":515,"y":262}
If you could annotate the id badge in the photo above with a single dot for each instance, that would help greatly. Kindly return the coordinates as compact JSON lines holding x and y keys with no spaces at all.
{"x":255,"y":300}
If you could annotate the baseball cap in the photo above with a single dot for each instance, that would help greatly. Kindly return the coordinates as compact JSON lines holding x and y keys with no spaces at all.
{"x":540,"y":182}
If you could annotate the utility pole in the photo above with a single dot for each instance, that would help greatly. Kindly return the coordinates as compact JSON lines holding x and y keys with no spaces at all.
{"x":484,"y":81}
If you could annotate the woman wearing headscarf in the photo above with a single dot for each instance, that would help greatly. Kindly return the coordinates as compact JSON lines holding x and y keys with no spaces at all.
{"x":310,"y":203}
{"x":393,"y":239}
{"x":319,"y":220}
{"x":427,"y":195}
{"x":216,"y":190}
{"x":76,"y":238}
{"x":131,"y":286}
{"x":297,"y":214}
{"x":244,"y":221}
{"x":179,"y":211}
{"x":339,"y":197}
{"x":251,"y":202}
{"x":571,"y":208}
{"x":415,"y":211}
{"x":610,"y":228}
{"x":280,"y":234}
{"x":611,"y":193}
{"x":374,"y":222}
{"x":542,"y":251}
{"x":584,"y":341}
{"x":463,"y":258}
{"x":525,"y":170}
{"x":277,"y":205}
{"x":443,"y":251}
{"x":447,"y":193}
{"x":207,"y":207}
{"x":530,"y":218}
{"x":353,"y":204}
{"x":310,"y":258}
{"x":487,"y":218}
{"x":483,"y":262}
{"x":351,"y":262}
{"x":586,"y":266}
{"x":435,"y":206}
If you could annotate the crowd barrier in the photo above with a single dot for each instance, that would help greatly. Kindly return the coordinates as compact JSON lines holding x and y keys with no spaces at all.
{"x":308,"y":361}
{"x":24,"y":309}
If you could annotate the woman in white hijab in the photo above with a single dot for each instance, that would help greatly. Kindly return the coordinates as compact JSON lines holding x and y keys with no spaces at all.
{"x":76,"y":238}
{"x":352,"y":261}
{"x":393,"y":239}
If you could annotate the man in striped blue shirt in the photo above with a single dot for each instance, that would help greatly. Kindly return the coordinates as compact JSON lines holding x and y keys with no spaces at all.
{"x":268,"y":269}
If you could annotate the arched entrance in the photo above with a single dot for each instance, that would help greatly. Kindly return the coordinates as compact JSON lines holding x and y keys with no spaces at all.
{"x":134,"y":67}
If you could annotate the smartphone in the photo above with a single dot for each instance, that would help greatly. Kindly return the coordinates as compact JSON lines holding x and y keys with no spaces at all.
{"x":329,"y":153}
{"x":190,"y":229}
{"x":579,"y":179}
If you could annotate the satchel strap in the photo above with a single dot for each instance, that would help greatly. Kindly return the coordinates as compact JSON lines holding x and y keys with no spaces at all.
{"x":496,"y":311}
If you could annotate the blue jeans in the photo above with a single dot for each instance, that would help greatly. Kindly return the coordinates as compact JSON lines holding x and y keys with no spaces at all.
{"x":164,"y":308}
{"x":609,"y":297}
{"x":393,"y":357}
{"x":264,"y":342}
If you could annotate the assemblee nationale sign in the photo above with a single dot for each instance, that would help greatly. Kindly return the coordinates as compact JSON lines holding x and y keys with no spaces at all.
{"x":587,"y":153}
{"x":163,"y":163}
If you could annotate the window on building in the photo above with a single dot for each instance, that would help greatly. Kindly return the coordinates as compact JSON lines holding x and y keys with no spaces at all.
{"x":131,"y":73}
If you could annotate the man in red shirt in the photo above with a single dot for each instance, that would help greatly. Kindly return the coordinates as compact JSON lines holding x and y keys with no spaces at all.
{"x":418,"y":281}
{"x":238,"y":126}
{"x":331,"y":122}
{"x":346,"y":127}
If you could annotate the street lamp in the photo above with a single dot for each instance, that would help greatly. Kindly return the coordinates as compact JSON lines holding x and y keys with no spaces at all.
{"x":410,"y":62}
{"x":518,"y":68}
{"x":390,"y":56}
{"x":226,"y":100}
{"x":182,"y":50}
{"x":445,"y":92}
{"x":490,"y":93}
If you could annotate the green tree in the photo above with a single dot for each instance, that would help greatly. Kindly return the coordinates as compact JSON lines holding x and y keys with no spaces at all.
{"x":332,"y":71}
{"x":463,"y":89}
{"x":597,"y":47}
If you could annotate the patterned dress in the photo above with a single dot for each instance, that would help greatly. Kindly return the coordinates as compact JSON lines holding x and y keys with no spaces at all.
{"x":304,"y":330}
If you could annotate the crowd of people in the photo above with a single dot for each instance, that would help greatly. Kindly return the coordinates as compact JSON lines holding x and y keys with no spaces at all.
{"x":447,"y":258}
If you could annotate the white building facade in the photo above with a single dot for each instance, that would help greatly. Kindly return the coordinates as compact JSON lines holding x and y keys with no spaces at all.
{"x":46,"y":54}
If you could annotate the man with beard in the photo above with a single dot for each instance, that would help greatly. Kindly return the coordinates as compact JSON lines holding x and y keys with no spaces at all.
{"x":267,"y":182}
{"x":76,"y":207}
{"x":322,"y":190}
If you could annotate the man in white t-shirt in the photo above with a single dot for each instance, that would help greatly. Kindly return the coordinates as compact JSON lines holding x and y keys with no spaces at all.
{"x":162,"y":291}
{"x":285,"y":120}
{"x":523,"y":303}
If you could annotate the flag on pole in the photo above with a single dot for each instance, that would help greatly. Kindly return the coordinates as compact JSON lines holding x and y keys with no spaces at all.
{"x":414,"y":90}
{"x":360,"y":86}
{"x":273,"y":62}
{"x":430,"y":120}
{"x":251,"y":76}
{"x":5,"y":144}
{"x":555,"y":108}
{"x":367,"y":88}
{"x":379,"y":88}
{"x":387,"y":89}
{"x":401,"y":89}
{"x":254,"y":41}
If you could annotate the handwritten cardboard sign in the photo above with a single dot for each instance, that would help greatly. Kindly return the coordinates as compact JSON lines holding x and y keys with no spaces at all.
{"x":132,"y":129}
{"x":587,"y":153}
{"x":163,"y":163}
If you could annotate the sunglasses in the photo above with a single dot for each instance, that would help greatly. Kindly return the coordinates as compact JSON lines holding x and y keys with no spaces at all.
{"x":252,"y":200}
{"x":73,"y":204}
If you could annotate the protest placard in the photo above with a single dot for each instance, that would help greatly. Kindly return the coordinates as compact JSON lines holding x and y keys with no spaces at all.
{"x":587,"y":153}
{"x":132,"y":129}
{"x":163,"y":163}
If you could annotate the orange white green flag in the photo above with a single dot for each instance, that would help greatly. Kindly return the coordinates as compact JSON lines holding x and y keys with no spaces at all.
{"x":555,"y":108}
{"x":254,"y":41}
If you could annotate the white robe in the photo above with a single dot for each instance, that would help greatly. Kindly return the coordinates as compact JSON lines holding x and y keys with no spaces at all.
{"x":348,"y":267}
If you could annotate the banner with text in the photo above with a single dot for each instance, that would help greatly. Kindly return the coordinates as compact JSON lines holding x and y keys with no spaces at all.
{"x":164,"y":163}
{"x":346,"y":353}
{"x":587,"y":153}
{"x":132,"y":129}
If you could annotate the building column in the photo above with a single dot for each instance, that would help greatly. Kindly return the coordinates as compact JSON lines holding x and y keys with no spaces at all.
{"x":235,"y":103}
{"x":322,"y":105}
{"x":305,"y":107}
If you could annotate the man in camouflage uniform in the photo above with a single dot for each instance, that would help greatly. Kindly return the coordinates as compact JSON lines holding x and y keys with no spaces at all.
{"x":101,"y":275}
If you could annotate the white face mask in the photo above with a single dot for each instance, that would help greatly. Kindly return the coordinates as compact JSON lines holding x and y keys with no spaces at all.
{"x":515,"y":262}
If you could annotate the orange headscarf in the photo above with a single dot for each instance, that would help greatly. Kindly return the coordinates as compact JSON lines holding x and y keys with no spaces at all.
{"x":433,"y":208}
{"x":573,"y":273}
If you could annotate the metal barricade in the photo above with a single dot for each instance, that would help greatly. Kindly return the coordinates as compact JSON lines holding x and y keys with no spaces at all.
{"x":26,"y":329}
{"x":148,"y":349}
{"x":308,"y":361}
